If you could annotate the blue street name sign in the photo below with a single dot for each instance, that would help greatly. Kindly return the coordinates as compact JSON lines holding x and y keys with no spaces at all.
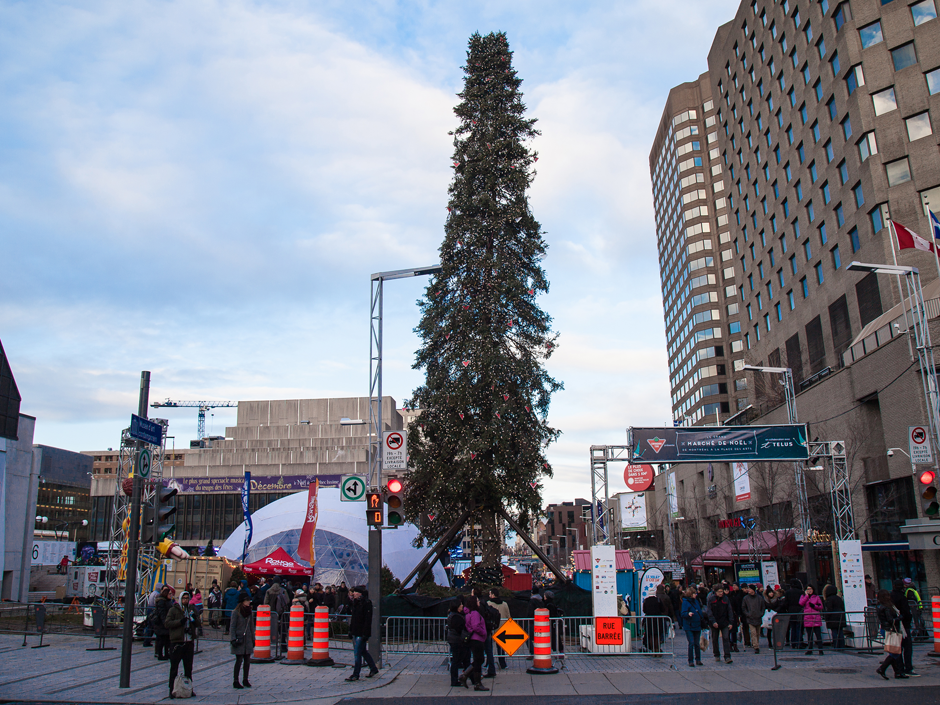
{"x":146,"y":430}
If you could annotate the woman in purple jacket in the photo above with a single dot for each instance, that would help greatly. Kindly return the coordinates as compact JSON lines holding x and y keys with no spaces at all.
{"x":812,"y":619}
{"x":476,"y":625}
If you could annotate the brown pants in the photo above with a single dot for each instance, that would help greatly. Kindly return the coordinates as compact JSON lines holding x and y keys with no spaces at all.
{"x":754,"y":629}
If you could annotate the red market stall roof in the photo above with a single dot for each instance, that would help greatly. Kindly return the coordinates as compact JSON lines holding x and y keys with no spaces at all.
{"x":507,"y":571}
{"x":278,"y":562}
{"x":582,"y":560}
{"x":771,"y":544}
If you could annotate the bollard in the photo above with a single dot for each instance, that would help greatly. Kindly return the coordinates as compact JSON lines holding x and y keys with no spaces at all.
{"x":262,"y":652}
{"x":935,"y":616}
{"x":542,"y":640}
{"x":295,"y":637}
{"x":321,"y":638}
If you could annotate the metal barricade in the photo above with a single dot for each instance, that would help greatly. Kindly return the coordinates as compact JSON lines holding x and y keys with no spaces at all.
{"x":839,"y":631}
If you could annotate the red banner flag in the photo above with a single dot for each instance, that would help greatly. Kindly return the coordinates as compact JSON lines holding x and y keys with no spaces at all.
{"x":306,"y":548}
{"x":908,"y":239}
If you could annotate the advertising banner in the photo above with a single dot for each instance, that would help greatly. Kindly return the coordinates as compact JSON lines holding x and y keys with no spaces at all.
{"x":671,"y":494}
{"x":651,"y":579}
{"x":259,"y":483}
{"x":638,"y":477}
{"x":51,"y":552}
{"x":853,"y":575}
{"x":742,"y":483}
{"x":748,"y":572}
{"x":718,"y":443}
{"x":769,"y":574}
{"x":604,"y":580}
{"x":246,"y":495}
{"x":305,"y":549}
{"x":633,"y":511}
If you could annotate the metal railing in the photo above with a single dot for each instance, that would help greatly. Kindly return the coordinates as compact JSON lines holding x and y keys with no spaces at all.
{"x":643,"y":636}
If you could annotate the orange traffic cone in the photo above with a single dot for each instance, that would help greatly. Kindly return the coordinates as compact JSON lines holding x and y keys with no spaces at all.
{"x":935,"y":609}
{"x":321,"y":638}
{"x":295,"y":637}
{"x":542,"y":639}
{"x":262,"y":652}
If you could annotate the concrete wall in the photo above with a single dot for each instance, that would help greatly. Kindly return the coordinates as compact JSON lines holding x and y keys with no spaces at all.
{"x":21,"y":483}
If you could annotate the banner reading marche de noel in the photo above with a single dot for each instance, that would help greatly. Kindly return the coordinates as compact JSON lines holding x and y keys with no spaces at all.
{"x":718,"y":443}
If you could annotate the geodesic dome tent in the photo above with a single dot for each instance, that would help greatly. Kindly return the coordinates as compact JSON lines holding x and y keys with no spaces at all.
{"x":341,"y":542}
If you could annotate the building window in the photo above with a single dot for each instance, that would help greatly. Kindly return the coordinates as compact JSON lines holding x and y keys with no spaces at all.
{"x":877,"y":222}
{"x":867,"y":146}
{"x":804,"y":287}
{"x":815,"y":131}
{"x":810,"y":211}
{"x":793,"y":264}
{"x":843,"y":172}
{"x":853,"y":236}
{"x":836,"y":259}
{"x":831,"y":106}
{"x":840,"y":15}
{"x":904,"y":56}
{"x":933,"y":81}
{"x":734,"y":328}
{"x":847,"y":127}
{"x":808,"y":250}
{"x":779,"y":311}
{"x":923,"y":11}
{"x":791,"y":300}
{"x":859,"y":196}
{"x":884,"y":101}
{"x":825,"y":192}
{"x":840,"y":215}
{"x":822,"y":233}
{"x":918,"y":126}
{"x":819,"y":272}
{"x":898,"y":171}
{"x":834,"y":63}
{"x":813,"y":174}
{"x":871,"y":34}
{"x":854,"y":78}
{"x":804,"y":115}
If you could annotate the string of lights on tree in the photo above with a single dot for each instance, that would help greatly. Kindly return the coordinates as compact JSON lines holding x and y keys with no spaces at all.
{"x":483,"y":426}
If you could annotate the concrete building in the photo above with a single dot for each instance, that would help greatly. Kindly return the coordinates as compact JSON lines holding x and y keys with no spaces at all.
{"x":566,"y":529}
{"x":63,"y":497}
{"x":19,"y":472}
{"x":284,"y":444}
{"x":825,"y":126}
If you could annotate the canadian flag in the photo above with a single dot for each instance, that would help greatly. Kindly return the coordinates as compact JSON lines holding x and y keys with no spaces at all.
{"x":908,"y":239}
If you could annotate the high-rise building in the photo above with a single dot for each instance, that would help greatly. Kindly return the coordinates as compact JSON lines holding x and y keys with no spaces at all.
{"x":699,"y":292}
{"x":815,"y":125}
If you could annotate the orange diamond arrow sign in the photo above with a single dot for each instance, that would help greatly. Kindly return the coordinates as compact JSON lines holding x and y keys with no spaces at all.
{"x":510,"y":637}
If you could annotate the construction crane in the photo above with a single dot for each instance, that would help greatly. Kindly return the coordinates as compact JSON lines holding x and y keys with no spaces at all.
{"x":203,"y":407}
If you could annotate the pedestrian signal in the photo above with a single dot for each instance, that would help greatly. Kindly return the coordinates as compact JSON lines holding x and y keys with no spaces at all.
{"x":374,"y":509}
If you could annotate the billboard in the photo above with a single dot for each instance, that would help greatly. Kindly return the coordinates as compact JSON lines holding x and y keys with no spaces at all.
{"x":633,"y":511}
{"x":742,"y":483}
{"x":718,"y":443}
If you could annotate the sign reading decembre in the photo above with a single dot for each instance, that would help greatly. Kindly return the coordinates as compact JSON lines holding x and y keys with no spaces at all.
{"x":608,"y":631}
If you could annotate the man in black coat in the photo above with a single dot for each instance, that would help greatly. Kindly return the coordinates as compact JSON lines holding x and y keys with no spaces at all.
{"x":899,"y":600}
{"x":793,"y":595}
{"x":360,"y":629}
{"x":722,"y":615}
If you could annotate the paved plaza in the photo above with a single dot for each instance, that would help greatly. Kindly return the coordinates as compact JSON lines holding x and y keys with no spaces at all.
{"x":67,"y":672}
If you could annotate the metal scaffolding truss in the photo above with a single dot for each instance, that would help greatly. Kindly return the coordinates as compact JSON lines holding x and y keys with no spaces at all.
{"x":148,"y":558}
{"x":843,"y":517}
{"x":600,"y":494}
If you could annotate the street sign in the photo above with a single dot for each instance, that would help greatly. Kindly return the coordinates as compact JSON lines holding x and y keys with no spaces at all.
{"x":510,"y":637}
{"x":145,"y":430}
{"x":395,"y":450}
{"x":639,"y":478}
{"x":144,"y":459}
{"x":352,"y":488}
{"x":919,"y":443}
{"x":608,"y":631}
{"x":604,"y":580}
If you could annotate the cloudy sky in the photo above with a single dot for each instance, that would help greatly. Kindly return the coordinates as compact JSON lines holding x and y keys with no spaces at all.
{"x":201,"y":189}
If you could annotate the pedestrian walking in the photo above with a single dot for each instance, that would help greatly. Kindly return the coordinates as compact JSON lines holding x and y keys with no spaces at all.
{"x":183,"y":625}
{"x":476,"y":626}
{"x":736,"y":598}
{"x":835,"y":616}
{"x":812,"y":621}
{"x":214,"y":605}
{"x":456,"y":637}
{"x":907,"y":618}
{"x":242,"y":639}
{"x":691,"y":611}
{"x":890,"y":619}
{"x":158,"y":623}
{"x":753,"y":606}
{"x":721,"y":615}
{"x":497,"y":603}
{"x":229,"y":600}
{"x":360,"y":629}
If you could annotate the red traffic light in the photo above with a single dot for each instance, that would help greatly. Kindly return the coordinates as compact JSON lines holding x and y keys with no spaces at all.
{"x":927,"y":476}
{"x":394,"y":485}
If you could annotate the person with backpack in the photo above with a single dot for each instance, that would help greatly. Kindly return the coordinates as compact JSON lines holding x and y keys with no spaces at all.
{"x":183,"y":624}
{"x":500,"y":606}
{"x":477,"y":630}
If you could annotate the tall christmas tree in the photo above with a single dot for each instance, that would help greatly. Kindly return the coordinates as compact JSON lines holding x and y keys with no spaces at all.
{"x":480,"y":439}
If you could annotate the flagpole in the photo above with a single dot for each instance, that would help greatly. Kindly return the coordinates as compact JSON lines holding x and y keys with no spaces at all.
{"x":907,"y":324}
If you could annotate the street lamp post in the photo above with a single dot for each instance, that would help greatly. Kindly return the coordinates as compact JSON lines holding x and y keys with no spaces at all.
{"x":377,"y":301}
{"x":928,"y":376}
{"x":802,"y":498}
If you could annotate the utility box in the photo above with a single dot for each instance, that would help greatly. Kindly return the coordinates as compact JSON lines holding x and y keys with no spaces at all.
{"x":85,"y":581}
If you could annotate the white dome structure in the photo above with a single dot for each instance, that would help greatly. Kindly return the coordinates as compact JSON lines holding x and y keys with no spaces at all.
{"x":341,"y":542}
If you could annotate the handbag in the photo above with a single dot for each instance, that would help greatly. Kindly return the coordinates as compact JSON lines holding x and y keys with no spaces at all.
{"x":892,"y":643}
{"x":237,"y":641}
{"x":182,"y":687}
{"x":703,"y":641}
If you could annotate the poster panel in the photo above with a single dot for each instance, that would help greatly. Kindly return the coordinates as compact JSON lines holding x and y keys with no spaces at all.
{"x":604,"y":580}
{"x":742,"y":483}
{"x":633,"y":511}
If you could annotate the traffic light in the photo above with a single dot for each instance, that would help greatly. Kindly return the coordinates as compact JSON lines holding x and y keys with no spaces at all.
{"x":374,"y":509}
{"x":162,"y":511}
{"x":394,"y":498}
{"x":928,"y":495}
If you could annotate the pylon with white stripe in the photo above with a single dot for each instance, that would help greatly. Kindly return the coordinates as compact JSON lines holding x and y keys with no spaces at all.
{"x":262,"y":652}
{"x":295,"y":637}
{"x":542,"y":640}
{"x":321,"y":638}
{"x":935,"y":616}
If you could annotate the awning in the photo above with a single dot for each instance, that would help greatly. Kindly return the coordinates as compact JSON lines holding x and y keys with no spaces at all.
{"x":769,"y":544}
{"x":278,"y":562}
{"x":582,"y":560}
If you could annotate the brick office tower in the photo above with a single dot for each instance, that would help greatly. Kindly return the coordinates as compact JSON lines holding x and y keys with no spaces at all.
{"x":827,"y":117}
